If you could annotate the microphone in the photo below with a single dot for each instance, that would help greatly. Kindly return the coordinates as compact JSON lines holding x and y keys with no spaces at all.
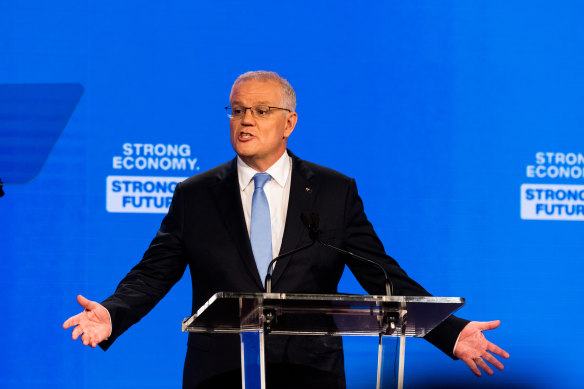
{"x":273,"y":262}
{"x":311,"y":221}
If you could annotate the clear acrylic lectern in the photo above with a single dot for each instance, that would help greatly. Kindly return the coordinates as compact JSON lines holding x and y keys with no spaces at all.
{"x":253,"y":315}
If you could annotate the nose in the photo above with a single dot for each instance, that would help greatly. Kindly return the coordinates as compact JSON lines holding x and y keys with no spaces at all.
{"x":247,"y":117}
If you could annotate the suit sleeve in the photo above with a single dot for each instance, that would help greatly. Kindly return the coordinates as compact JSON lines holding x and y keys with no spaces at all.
{"x":147,"y":283}
{"x":360,"y":238}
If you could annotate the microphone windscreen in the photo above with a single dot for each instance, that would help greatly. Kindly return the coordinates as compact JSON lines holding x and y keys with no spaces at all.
{"x":310,"y":220}
{"x":305,"y":219}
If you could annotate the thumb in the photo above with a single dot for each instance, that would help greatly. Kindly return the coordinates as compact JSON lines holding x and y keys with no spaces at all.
{"x":489,"y":325}
{"x":85,"y":303}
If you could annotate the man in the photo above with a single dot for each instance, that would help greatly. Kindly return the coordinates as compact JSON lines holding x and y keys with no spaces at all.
{"x":227,"y":223}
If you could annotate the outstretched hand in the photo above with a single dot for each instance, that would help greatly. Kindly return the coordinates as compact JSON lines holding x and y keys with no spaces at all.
{"x":474,"y":349}
{"x":93,"y":324}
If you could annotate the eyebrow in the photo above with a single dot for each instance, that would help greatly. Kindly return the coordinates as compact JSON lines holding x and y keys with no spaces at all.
{"x":256,"y":103}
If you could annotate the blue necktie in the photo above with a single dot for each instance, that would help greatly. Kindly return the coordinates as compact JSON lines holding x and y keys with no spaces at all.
{"x":260,"y":229}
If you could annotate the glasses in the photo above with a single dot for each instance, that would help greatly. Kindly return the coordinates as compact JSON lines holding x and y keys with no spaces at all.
{"x":257,"y":111}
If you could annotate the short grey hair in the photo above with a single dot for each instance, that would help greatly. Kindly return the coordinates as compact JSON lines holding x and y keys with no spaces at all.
{"x":288,"y":94}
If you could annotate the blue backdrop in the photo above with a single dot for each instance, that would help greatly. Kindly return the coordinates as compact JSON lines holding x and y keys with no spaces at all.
{"x":461,"y":121}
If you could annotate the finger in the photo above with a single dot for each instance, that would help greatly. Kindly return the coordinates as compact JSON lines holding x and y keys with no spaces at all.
{"x":76,"y":332}
{"x":85,"y":339}
{"x":72,"y":321}
{"x":493,"y":361}
{"x":497,"y":350}
{"x":96,"y":341}
{"x":489,"y":325}
{"x":483,"y":365}
{"x":472,"y":366}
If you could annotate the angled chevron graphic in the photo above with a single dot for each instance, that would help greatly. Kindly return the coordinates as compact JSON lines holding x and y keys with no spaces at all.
{"x":32,"y":118}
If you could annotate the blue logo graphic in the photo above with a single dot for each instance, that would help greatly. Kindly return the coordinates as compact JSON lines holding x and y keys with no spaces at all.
{"x":32,"y":117}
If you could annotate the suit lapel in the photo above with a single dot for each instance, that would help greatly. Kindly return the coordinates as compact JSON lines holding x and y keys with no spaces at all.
{"x":302,"y":194}
{"x":227,"y":197}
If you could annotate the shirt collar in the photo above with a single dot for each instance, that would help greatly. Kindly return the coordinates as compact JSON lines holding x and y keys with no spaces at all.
{"x":279,"y":171}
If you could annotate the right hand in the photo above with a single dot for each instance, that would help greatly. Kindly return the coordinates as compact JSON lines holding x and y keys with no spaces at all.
{"x":94,"y":322}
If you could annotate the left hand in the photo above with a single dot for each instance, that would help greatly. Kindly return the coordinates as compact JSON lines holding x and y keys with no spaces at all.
{"x":474,"y":349}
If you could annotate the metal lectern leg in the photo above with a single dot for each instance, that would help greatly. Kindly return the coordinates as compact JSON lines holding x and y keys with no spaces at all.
{"x":402,"y":355}
{"x":386,"y":363}
{"x":379,"y":362}
{"x":253,"y":366}
{"x":385,"y":356}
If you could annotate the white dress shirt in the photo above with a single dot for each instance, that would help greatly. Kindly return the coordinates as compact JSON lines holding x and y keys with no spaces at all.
{"x":277,"y":191}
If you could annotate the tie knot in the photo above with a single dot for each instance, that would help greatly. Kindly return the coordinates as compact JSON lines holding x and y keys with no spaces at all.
{"x":260,"y":179}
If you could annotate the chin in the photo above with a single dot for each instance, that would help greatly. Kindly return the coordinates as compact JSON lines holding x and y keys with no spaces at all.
{"x":243,"y":151}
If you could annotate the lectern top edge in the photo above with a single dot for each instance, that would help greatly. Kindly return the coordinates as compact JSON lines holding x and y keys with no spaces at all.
{"x":358,"y":314}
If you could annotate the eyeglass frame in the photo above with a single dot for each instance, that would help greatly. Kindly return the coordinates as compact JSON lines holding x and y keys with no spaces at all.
{"x":251,"y":109}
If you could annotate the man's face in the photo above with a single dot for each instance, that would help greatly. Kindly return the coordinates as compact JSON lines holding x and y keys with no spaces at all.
{"x":260,"y":142}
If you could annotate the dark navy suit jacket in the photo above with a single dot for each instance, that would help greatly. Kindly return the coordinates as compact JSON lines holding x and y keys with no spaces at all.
{"x":205,"y":229}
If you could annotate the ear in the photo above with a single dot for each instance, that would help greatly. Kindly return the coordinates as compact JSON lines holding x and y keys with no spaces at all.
{"x":291,"y":119}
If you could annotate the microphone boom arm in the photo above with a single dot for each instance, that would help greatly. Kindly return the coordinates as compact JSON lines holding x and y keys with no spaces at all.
{"x":388,"y":286}
{"x":268,"y":280}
